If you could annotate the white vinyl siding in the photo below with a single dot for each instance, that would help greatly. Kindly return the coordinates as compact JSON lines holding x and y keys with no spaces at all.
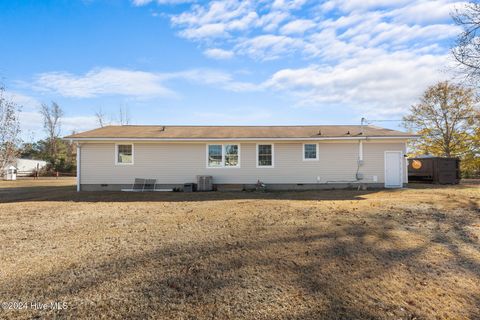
{"x":178,"y":163}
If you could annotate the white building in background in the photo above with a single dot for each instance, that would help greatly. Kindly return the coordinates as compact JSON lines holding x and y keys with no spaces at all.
{"x":26,"y":167}
{"x":10,"y":173}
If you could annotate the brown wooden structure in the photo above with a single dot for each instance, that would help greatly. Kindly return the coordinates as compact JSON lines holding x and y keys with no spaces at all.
{"x":434,"y":170}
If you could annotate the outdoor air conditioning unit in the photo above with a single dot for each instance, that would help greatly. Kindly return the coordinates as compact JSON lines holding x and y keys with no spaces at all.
{"x":204,"y":183}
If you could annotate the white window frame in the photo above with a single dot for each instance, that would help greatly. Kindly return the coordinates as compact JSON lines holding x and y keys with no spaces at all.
{"x":116,"y":154}
{"x":223,"y":166}
{"x":316,"y":152}
{"x":273,"y":155}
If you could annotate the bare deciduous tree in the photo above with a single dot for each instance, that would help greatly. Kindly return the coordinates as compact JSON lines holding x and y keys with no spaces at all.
{"x":51,"y":123}
{"x":467,"y":49}
{"x":100,"y":115}
{"x":124,"y":116}
{"x":9,"y":130}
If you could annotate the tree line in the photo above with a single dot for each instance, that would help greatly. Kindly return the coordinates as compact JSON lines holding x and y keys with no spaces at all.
{"x":60,"y":154}
{"x":447,"y":116}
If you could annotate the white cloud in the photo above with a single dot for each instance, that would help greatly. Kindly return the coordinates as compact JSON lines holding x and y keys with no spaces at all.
{"x":22,"y":100}
{"x":288,"y":4}
{"x":269,"y":47}
{"x":139,"y":84}
{"x":364,"y":5}
{"x":218,"y":19}
{"x":205,"y":31}
{"x":218,"y":79}
{"x":106,"y":81}
{"x":204,"y":76}
{"x":243,"y":23}
{"x":269,"y":22}
{"x":215,"y":12}
{"x":140,"y":3}
{"x":216,"y":53}
{"x":327,"y":6}
{"x":297,"y":26}
{"x":32,"y":124}
{"x":423,"y":12}
{"x":241,"y":26}
{"x":394,"y":35}
{"x":225,"y":18}
{"x":377,"y":55}
{"x":388,"y":82}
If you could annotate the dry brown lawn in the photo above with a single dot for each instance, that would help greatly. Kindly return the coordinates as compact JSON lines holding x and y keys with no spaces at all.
{"x":390,"y":254}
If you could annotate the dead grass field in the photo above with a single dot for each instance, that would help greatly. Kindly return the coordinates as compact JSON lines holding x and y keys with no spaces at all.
{"x":398,"y":254}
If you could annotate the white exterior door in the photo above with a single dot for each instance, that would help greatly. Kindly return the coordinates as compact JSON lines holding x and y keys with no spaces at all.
{"x":393,"y":169}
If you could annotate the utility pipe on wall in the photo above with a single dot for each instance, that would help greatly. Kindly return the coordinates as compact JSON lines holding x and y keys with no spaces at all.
{"x":79,"y":150}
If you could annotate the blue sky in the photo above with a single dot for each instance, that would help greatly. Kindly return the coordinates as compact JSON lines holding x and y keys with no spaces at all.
{"x":223,"y":62}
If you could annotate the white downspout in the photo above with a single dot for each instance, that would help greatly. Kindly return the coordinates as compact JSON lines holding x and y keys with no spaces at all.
{"x":360,"y":150}
{"x":359,"y":176}
{"x":79,"y":150}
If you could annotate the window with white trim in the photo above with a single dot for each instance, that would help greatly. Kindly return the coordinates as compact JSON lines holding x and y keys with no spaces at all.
{"x":124,"y":154}
{"x":215,"y":158}
{"x":310,"y":151}
{"x":223,"y":155}
{"x":265,"y":155}
{"x":231,"y":155}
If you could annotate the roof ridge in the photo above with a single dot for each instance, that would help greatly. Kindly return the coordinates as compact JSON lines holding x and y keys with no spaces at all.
{"x":239,"y":126}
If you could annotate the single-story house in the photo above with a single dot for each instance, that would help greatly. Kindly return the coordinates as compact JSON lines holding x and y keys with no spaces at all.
{"x":281,"y":157}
